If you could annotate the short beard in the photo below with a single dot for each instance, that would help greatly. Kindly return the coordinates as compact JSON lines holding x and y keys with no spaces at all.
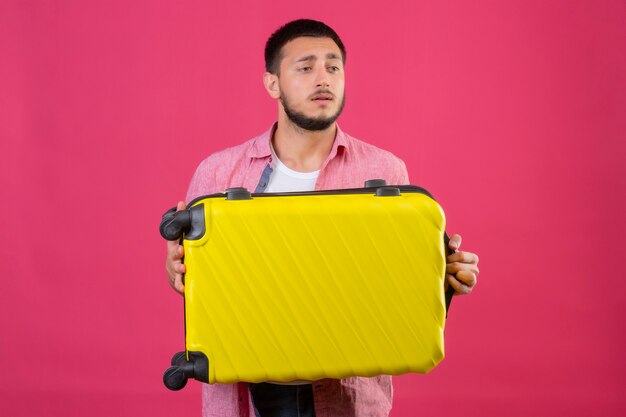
{"x":311,"y":123}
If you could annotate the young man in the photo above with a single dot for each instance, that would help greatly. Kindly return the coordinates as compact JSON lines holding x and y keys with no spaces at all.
{"x":304,"y":150}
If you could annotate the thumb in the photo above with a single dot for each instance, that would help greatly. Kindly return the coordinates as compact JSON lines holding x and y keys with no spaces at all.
{"x":181,"y":206}
{"x":455,"y":242}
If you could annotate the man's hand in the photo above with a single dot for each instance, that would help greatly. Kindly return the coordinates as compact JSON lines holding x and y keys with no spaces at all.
{"x":174,"y":261}
{"x":461,"y":268}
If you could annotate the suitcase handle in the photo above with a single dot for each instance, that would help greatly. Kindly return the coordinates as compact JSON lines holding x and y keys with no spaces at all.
{"x":450,"y":290}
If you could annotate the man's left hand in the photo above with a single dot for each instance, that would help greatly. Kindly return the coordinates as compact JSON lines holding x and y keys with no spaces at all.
{"x":461,"y":268}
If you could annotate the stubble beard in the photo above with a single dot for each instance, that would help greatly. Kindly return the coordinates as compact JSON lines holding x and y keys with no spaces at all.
{"x":313,"y":124}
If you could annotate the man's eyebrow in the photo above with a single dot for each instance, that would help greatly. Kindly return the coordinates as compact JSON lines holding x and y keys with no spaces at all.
{"x":330,"y":55}
{"x":307,"y":58}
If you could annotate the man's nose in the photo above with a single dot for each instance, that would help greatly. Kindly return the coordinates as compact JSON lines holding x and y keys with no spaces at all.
{"x":322,"y":79}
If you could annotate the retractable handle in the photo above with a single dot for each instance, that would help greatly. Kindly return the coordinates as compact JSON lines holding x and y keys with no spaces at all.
{"x":175,"y":223}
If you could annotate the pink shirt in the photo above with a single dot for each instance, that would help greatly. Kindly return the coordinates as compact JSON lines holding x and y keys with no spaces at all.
{"x":350,"y":163}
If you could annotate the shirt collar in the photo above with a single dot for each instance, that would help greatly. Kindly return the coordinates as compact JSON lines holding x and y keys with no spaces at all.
{"x":261,"y":146}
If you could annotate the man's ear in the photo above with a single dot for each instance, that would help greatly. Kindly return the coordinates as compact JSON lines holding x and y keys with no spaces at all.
{"x":271,"y":85}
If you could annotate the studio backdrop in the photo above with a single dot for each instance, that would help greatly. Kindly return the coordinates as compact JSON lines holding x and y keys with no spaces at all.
{"x":512,"y":113}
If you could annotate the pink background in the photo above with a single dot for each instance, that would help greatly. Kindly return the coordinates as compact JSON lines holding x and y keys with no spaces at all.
{"x":512,"y":113}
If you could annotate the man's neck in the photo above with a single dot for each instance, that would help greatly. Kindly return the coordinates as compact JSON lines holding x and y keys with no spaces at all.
{"x":302,"y":150}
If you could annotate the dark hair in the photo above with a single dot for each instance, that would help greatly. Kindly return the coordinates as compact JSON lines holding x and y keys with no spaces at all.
{"x":292,"y":30}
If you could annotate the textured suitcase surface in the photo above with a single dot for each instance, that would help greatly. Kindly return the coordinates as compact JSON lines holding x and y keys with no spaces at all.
{"x":304,"y":286}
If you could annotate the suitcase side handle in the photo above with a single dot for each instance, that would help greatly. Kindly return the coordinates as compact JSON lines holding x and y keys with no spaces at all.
{"x":450,"y":290}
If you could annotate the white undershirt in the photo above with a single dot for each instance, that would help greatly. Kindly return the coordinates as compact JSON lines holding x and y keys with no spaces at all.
{"x":284,"y":179}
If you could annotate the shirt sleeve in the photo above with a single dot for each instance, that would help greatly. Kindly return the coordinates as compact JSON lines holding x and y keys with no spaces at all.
{"x":403,"y":174}
{"x":203,"y":180}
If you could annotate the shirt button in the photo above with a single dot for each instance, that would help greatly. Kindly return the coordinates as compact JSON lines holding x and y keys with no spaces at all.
{"x":263,"y":184}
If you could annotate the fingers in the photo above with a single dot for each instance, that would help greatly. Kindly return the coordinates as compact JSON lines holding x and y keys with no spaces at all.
{"x":463,"y":257}
{"x":175,"y":270}
{"x":462,"y":271}
{"x":460,"y":288}
{"x":466,"y":278}
{"x":175,"y":250}
{"x":174,"y":261}
{"x":177,"y":284}
{"x":455,"y":242}
{"x":175,"y":267}
{"x":455,"y":267}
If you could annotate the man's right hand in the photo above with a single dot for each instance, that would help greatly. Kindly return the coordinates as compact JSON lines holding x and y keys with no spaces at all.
{"x":174,"y":262}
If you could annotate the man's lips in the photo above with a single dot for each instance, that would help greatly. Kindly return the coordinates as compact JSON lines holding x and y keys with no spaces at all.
{"x":323,"y":94}
{"x":322,"y":98}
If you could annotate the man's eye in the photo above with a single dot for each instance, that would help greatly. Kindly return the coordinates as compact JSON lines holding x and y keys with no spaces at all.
{"x":334,"y":68}
{"x":305,"y":69}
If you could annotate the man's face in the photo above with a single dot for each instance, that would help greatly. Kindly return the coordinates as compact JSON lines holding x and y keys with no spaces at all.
{"x":311,"y":82}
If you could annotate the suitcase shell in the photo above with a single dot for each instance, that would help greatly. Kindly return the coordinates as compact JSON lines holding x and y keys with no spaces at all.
{"x":304,"y":286}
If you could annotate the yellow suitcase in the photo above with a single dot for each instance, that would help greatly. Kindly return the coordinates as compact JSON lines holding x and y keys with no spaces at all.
{"x":303,"y":286}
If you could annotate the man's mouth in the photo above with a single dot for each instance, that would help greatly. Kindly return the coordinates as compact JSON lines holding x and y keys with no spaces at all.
{"x":322,"y":98}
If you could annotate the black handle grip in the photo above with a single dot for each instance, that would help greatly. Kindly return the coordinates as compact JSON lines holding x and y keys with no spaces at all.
{"x":174,"y":224}
{"x":450,"y":290}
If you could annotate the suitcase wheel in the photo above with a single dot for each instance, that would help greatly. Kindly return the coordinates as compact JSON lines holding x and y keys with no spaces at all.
{"x":197,"y":367}
{"x":174,"y":224}
{"x":174,"y":378}
{"x":179,"y":358}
